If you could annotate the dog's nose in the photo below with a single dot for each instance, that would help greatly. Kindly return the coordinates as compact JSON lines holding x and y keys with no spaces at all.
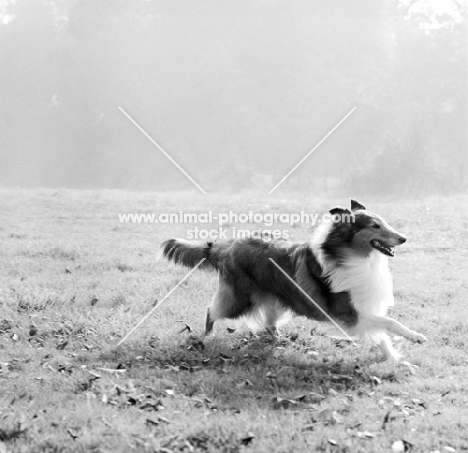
{"x":402,"y":239}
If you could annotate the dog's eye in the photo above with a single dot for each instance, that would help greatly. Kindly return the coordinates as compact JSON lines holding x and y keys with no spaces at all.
{"x":376,"y":226}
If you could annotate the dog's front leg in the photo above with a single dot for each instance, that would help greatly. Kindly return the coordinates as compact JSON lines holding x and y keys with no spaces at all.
{"x":397,"y":328}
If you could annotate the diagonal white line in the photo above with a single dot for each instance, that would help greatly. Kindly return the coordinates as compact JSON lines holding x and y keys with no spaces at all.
{"x":142,"y":320}
{"x":313,"y":149}
{"x":313,"y":301}
{"x":160,"y":149}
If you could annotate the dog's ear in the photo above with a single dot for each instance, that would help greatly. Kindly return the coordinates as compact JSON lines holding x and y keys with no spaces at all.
{"x":339,"y":210}
{"x":355,"y":205}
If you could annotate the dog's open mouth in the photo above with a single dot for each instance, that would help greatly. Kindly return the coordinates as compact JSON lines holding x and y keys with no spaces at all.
{"x":383,"y":248}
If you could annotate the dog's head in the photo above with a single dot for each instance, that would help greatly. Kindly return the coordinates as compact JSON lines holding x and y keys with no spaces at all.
{"x":362,"y":231}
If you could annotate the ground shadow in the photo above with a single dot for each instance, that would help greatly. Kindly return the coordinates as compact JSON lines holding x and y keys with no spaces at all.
{"x":231,"y":369}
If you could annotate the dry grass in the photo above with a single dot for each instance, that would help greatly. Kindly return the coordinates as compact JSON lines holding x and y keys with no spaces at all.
{"x":74,"y":280}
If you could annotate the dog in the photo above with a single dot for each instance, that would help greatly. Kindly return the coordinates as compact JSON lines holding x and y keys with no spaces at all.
{"x":343,"y":270}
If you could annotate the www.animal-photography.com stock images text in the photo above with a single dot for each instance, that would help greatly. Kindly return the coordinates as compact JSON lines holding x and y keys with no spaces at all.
{"x":233,"y":226}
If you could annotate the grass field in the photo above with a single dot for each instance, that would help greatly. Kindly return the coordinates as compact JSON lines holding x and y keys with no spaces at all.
{"x":74,"y":281}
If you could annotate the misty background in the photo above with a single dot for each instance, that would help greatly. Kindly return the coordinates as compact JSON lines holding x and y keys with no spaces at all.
{"x":237,"y":92}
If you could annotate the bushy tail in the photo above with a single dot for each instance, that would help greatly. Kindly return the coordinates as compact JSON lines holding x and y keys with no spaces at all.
{"x":187,"y":253}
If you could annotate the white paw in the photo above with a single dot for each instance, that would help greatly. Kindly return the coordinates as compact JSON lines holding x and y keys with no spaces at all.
{"x":418,"y":338}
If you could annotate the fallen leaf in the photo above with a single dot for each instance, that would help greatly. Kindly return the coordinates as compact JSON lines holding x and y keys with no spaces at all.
{"x":186,"y":328}
{"x":5,"y":326}
{"x":245,"y":383}
{"x":94,"y":375}
{"x":310,"y":398}
{"x":282,"y":403}
{"x":365,"y":434}
{"x":328,"y":416}
{"x":386,"y":419}
{"x":74,"y":435}
{"x":9,"y":434}
{"x":151,"y":421}
{"x":32,"y":330}
{"x":61,"y":346}
{"x":134,"y":399}
{"x":400,"y":446}
{"x":151,"y":405}
{"x":247,"y":439}
{"x":196,"y":345}
{"x":166,"y":420}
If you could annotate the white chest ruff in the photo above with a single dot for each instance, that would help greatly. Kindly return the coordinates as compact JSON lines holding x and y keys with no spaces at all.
{"x":368,"y":280}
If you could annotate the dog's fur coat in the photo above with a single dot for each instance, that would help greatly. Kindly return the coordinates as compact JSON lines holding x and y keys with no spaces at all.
{"x":343,"y":268}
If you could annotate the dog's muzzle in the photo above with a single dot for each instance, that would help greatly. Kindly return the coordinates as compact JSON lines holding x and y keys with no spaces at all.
{"x":383,"y":248}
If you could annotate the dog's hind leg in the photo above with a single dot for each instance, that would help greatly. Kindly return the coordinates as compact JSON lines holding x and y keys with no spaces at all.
{"x":209,"y":323}
{"x":225,"y":304}
{"x":212,"y":314}
{"x":271,"y":318}
{"x":267,"y":312}
{"x":273,"y":331}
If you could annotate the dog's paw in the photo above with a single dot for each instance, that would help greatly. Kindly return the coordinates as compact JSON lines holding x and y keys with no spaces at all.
{"x":418,"y":338}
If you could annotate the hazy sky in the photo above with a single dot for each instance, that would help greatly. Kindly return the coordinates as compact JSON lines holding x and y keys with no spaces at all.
{"x":235,"y":91}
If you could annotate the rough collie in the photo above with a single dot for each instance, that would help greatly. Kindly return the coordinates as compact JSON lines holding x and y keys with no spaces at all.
{"x":343,"y":269}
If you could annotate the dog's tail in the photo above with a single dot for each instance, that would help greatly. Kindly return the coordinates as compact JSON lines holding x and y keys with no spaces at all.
{"x":188,"y":253}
